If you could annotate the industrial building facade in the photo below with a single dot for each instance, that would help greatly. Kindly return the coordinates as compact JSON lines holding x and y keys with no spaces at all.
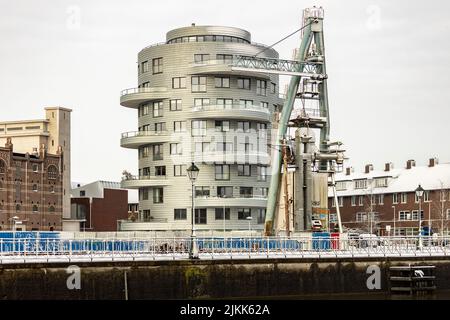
{"x":384,"y":201}
{"x":193,"y":108}
{"x":30,"y":189}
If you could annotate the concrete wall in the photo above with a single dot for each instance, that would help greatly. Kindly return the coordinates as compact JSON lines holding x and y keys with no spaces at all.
{"x":202,"y":279}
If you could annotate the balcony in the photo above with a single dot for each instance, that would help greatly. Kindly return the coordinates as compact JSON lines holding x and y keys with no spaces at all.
{"x":136,"y":182}
{"x":234,"y":201}
{"x":233,"y":157}
{"x":223,"y":67}
{"x":235,"y":111}
{"x":132,"y":98}
{"x":135,"y":139}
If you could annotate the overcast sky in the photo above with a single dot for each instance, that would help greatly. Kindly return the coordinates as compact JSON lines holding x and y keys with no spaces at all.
{"x":388,"y":66}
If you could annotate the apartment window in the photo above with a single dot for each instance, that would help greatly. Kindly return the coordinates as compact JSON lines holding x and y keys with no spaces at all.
{"x":244,"y":213}
{"x":35,"y":208}
{"x":261,"y":87}
{"x":157,"y":65}
{"x":225,"y":58}
{"x":146,"y":84}
{"x":219,"y":213}
{"x":143,"y":193}
{"x":179,"y":126}
{"x":176,"y":149}
{"x":198,"y":84}
{"x":35,"y":187}
{"x":360,"y":201}
{"x":144,"y":152}
{"x":179,"y":83}
{"x":144,"y":66}
{"x":261,"y":126}
{"x":264,"y":105}
{"x":225,"y":103}
{"x":341,"y":185}
{"x":52,"y":189}
{"x":198,"y":128}
{"x":225,"y":192}
{"x":245,"y":103}
{"x":361,"y":216}
{"x":395,"y":198}
{"x":201,"y":102}
{"x":248,"y":147}
{"x":415,"y":215}
{"x":158,"y":195}
{"x":426,"y":196}
{"x":222,"y":126}
{"x":35,"y":168}
{"x":201,"y":58}
{"x":51,"y":209}
{"x":246,"y":192}
{"x":201,"y":147}
{"x":200,"y":216}
{"x":264,"y":192}
{"x":222,"y":82}
{"x":145,"y":215}
{"x":222,"y":172}
{"x":52,"y":172}
{"x":361,"y":184}
{"x":224,"y":147}
{"x":381,"y":199}
{"x":404,"y":215}
{"x":261,"y":173}
{"x":273,"y":88}
{"x":353,"y":201}
{"x":243,"y":126}
{"x":403,"y":197}
{"x":341,"y":201}
{"x":381,"y":182}
{"x":244,"y":170}
{"x":175,"y":105}
{"x":179,"y":214}
{"x":179,"y":170}
{"x":158,"y":152}
{"x":160,"y":171}
{"x":261,"y":215}
{"x":158,"y":109}
{"x":202,"y":191}
{"x":160,"y":127}
{"x":243,"y":83}
{"x":146,"y":171}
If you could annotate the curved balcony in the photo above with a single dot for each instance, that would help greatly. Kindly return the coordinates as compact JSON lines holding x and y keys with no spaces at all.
{"x":135,"y":139}
{"x":235,"y":201}
{"x":132,"y":98}
{"x":233,"y":157}
{"x":223,"y":67}
{"x":235,"y":111}
{"x":136,"y":182}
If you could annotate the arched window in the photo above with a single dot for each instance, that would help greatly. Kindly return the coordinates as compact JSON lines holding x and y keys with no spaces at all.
{"x":17,"y":207}
{"x":2,"y":167}
{"x":35,"y":187}
{"x":51,"y":209}
{"x":35,"y":208}
{"x":52,"y":172}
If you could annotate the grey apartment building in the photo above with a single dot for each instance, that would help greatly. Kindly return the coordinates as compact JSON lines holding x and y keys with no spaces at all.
{"x":192,"y":107}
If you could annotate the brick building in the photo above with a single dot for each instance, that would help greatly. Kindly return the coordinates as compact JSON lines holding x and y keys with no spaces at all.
{"x":31,"y":196}
{"x":99,"y":205}
{"x":384,"y":201}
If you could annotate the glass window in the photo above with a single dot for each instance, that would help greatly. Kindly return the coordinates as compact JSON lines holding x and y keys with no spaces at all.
{"x":224,"y":146}
{"x":264,"y":105}
{"x":219,"y":213}
{"x":144,"y":66}
{"x":157,"y":65}
{"x":198,"y":84}
{"x":244,"y":170}
{"x":243,"y":126}
{"x":160,"y":127}
{"x":143,"y":193}
{"x":179,"y":214}
{"x":222,"y":82}
{"x":198,"y":128}
{"x":222,"y":172}
{"x":175,"y":105}
{"x":158,"y":195}
{"x":52,"y":172}
{"x":201,"y":58}
{"x":225,"y":58}
{"x":244,"y":213}
{"x":179,"y":170}
{"x":158,"y":109}
{"x":200,"y":216}
{"x":395,"y":198}
{"x":179,"y":126}
{"x":160,"y":170}
{"x":246,"y":192}
{"x":202,"y":191}
{"x":201,"y":147}
{"x":361,"y":184}
{"x":353,"y":201}
{"x":224,"y":103}
{"x":158,"y":152}
{"x":146,"y":84}
{"x":273,"y":88}
{"x":245,"y":103}
{"x":261,"y":87}
{"x":244,"y":83}
{"x":179,"y":83}
{"x":201,"y":102}
{"x":225,"y":192}
{"x":222,"y":125}
{"x":261,"y":173}
{"x":176,"y":149}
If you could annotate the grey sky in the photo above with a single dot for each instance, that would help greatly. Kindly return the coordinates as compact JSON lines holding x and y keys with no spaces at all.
{"x":388,"y":65}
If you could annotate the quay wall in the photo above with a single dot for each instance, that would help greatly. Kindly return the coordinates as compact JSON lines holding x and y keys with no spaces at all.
{"x":205,"y":279}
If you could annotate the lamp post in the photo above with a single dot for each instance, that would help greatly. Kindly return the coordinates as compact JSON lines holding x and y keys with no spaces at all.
{"x":14,"y":220}
{"x":394,"y":220}
{"x":192,"y":172}
{"x":419,"y":194}
{"x":250,"y":218}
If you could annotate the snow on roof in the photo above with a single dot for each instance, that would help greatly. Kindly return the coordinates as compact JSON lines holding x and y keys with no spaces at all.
{"x":399,"y":180}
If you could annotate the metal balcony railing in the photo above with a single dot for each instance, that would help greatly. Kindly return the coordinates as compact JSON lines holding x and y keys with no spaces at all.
{"x":230,"y":107}
{"x":144,"y":133}
{"x":143,"y":90}
{"x":143,"y":177}
{"x":239,"y":196}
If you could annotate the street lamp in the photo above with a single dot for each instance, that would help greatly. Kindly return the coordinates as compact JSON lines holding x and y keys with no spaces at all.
{"x":14,"y":220}
{"x":419,"y":193}
{"x":192,"y":172}
{"x":250,"y":218}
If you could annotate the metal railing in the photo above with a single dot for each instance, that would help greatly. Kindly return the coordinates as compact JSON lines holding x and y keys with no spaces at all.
{"x":238,"y":196}
{"x":230,"y":107}
{"x":143,"y":90}
{"x":144,"y":133}
{"x":72,"y":250}
{"x":144,"y":177}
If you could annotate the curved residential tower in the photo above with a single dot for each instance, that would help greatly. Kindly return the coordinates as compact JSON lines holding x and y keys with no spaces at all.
{"x":193,"y":106}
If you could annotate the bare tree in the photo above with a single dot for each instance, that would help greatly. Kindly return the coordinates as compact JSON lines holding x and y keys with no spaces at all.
{"x":441,"y":206}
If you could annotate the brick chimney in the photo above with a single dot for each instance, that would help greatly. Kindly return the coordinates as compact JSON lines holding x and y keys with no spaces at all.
{"x":348,"y":171}
{"x":410,"y":164}
{"x":433,"y":162}
{"x":369,"y":167}
{"x":388,"y":166}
